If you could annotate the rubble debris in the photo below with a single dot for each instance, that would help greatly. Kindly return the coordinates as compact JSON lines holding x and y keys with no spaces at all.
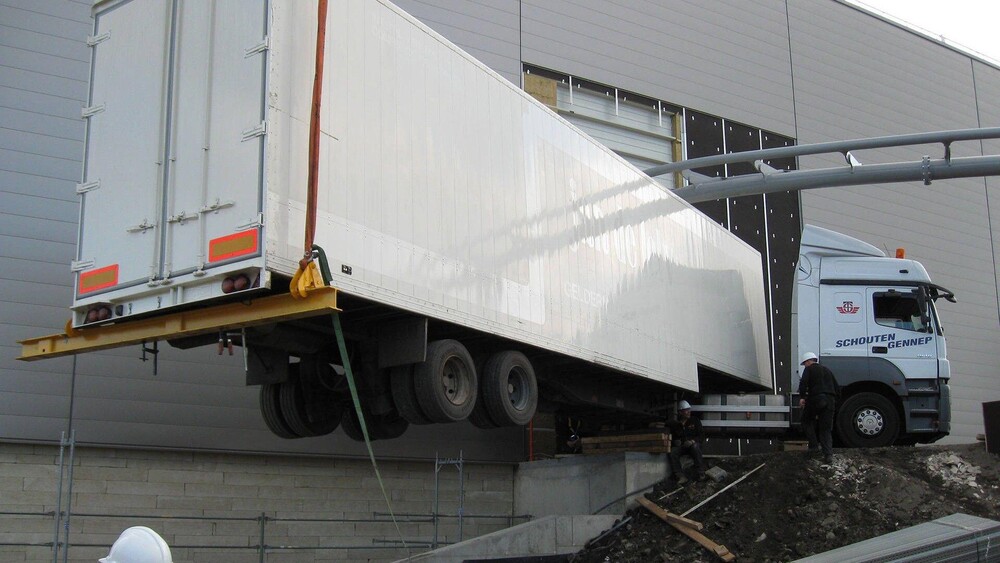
{"x":717,"y":474}
{"x":794,"y":507}
{"x":954,"y":470}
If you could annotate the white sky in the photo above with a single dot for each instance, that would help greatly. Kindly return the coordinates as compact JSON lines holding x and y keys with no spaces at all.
{"x":974,"y":24}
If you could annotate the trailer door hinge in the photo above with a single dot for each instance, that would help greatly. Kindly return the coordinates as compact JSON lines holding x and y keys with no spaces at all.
{"x":257,"y":221}
{"x":88,"y":186}
{"x":93,"y":40}
{"x":91,"y":110}
{"x":80,"y":265}
{"x":264,"y":45}
{"x":141,"y":227}
{"x":255,"y":131}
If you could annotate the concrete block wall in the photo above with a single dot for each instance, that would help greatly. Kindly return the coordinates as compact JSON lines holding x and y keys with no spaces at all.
{"x":207,"y":506}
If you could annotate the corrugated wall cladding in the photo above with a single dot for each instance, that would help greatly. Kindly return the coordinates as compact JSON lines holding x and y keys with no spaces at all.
{"x":43,"y":84}
{"x":727,"y":58}
{"x":987,"y":84}
{"x":487,"y":29}
{"x":854,"y":76}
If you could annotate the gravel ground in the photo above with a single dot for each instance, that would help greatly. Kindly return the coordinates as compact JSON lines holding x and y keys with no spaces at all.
{"x":795,"y":505}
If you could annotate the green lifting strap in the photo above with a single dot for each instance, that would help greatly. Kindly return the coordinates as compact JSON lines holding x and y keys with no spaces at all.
{"x":361,"y":420}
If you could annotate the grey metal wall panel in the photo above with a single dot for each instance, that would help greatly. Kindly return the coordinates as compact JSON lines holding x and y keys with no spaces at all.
{"x":727,"y":58}
{"x":488,"y":30}
{"x":987,"y":80}
{"x":43,"y":74}
{"x":858,"y":76}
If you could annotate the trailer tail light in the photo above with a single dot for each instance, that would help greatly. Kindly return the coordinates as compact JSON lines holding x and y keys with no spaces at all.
{"x":100,"y":278}
{"x":98,"y":313}
{"x":900,"y":253}
{"x":239,"y":282}
{"x":232,"y":246}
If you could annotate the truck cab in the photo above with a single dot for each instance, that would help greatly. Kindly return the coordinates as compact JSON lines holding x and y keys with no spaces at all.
{"x":872,"y":320}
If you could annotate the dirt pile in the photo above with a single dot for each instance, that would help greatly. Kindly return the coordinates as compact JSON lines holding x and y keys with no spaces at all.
{"x":796,"y":505}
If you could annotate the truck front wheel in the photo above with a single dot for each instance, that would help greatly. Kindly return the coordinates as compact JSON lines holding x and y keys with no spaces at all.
{"x":867,"y":420}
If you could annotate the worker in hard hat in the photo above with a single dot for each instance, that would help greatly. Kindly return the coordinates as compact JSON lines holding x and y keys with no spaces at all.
{"x":688,"y":435}
{"x":138,"y":544}
{"x":818,"y":394}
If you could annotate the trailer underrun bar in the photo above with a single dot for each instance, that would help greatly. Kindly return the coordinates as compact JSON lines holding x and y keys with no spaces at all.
{"x":231,"y":316}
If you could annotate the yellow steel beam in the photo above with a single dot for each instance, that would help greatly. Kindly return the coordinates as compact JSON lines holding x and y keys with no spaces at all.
{"x":231,"y":316}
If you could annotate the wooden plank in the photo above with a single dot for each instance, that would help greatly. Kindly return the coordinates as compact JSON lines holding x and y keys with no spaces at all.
{"x":644,"y":449}
{"x":720,"y":551}
{"x":659,"y":437}
{"x":668,"y":516}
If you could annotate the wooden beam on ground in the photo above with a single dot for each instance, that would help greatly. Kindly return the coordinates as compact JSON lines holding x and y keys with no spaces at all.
{"x":669,"y":517}
{"x":686,"y":527}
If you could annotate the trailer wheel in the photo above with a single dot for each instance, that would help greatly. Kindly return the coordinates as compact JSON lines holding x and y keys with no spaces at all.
{"x":306,"y":408}
{"x":270,"y":410}
{"x":509,"y":389}
{"x":446,"y":382}
{"x":350,"y":424}
{"x":480,"y":417}
{"x":388,"y":426}
{"x":380,"y":427}
{"x":404,"y":395}
{"x":867,"y":420}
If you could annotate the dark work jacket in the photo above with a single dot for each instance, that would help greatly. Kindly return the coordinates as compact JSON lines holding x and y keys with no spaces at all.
{"x":688,"y":430}
{"x":818,"y":386}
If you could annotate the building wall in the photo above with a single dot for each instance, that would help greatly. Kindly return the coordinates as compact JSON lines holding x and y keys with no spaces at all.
{"x":207,"y":506}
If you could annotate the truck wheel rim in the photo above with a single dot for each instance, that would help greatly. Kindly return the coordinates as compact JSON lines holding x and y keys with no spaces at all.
{"x":517,"y":388}
{"x":869,"y":422}
{"x":455,"y":381}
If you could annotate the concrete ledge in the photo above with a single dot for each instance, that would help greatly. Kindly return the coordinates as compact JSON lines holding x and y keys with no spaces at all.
{"x":550,"y":535}
{"x":585,"y":484}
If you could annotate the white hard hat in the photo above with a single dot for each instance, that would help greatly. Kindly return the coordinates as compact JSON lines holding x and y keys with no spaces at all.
{"x":808,"y":356}
{"x":138,"y":544}
{"x":683,"y":405}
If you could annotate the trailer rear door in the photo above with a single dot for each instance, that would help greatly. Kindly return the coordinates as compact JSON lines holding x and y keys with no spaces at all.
{"x":173,"y":174}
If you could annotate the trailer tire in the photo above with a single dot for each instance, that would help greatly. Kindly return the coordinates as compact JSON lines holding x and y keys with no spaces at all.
{"x":480,"y":417}
{"x":270,"y":410}
{"x":349,"y":423}
{"x":509,"y":389}
{"x":867,"y":420}
{"x":306,"y":409}
{"x":383,"y":427}
{"x":388,"y":426}
{"x":445,"y":382}
{"x":404,"y":395}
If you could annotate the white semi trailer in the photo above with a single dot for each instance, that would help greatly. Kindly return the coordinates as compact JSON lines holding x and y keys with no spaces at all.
{"x":484,"y":251}
{"x":483,"y":254}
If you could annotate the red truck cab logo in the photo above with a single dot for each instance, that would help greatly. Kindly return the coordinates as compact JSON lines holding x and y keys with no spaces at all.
{"x":848,"y":308}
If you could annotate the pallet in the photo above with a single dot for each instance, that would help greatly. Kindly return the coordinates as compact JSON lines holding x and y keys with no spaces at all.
{"x":649,"y":443}
{"x":795,"y":445}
